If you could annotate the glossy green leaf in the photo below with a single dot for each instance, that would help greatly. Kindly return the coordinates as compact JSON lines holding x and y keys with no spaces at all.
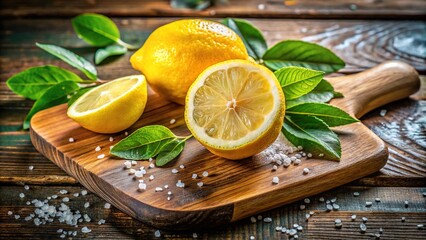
{"x":322,"y":93}
{"x":96,"y":29}
{"x":71,"y":58}
{"x":313,"y":135}
{"x":34,"y":82}
{"x":331,"y":115}
{"x":251,"y":36}
{"x":55,"y":95}
{"x":169,"y":152}
{"x":298,"y":81}
{"x":113,"y":50}
{"x":302,"y":54}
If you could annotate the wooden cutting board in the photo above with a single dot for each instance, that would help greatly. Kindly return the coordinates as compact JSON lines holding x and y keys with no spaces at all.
{"x":234,"y":189}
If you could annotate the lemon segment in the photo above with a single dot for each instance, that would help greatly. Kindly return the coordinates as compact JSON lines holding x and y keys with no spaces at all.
{"x":235,"y":108}
{"x":111,"y":107}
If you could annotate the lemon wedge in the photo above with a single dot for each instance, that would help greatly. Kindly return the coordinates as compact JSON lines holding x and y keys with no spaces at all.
{"x":235,"y":108}
{"x":111,"y":107}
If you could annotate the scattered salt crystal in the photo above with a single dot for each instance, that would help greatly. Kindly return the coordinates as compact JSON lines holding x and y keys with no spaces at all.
{"x":142,"y":186}
{"x":253,"y":220}
{"x":17,"y":216}
{"x":166,"y":186}
{"x":363,"y":227}
{"x":406,"y":204}
{"x":169,"y":198}
{"x":132,"y":171}
{"x":329,"y":207}
{"x":21,"y":195}
{"x":261,"y":6}
{"x":297,"y":155}
{"x":403,"y":219}
{"x":128,"y":164}
{"x":76,"y":194}
{"x":182,"y":166}
{"x":151,"y":165}
{"x":134,"y":163}
{"x":9,"y":213}
{"x":107,"y":206}
{"x":275,"y":180}
{"x":56,"y":196}
{"x":174,"y":171}
{"x":368,"y":204}
{"x":267,"y":219}
{"x":307,"y":200}
{"x":126,"y":133}
{"x":364,"y":219}
{"x":71,"y":140}
{"x":158,"y":189}
{"x":151,"y":159}
{"x":62,"y":236}
{"x":274,"y":168}
{"x":307,"y":216}
{"x":83,"y":192}
{"x":278,"y":228}
{"x":306,"y":171}
{"x":297,"y":161}
{"x":102,"y":221}
{"x":111,"y":139}
{"x":157,"y":234}
{"x":28,"y":203}
{"x":85,"y":230}
{"x":194,"y":176}
{"x":353,"y":217}
{"x":321,"y":155}
{"x":338,"y":223}
{"x":302,"y":207}
{"x":180,"y":184}
{"x":420,"y":226}
{"x":63,"y":191}
{"x":252,"y":238}
{"x":335,"y":206}
{"x":200,"y":184}
{"x":172,"y":121}
{"x":356,"y":194}
{"x":205,"y":174}
{"x":138,"y":174}
{"x":292,"y":232}
{"x":151,"y":177}
{"x":194,"y":235}
{"x":169,"y":193}
{"x":65,"y":199}
{"x":98,"y":148}
{"x":309,"y":155}
{"x":86,"y":204}
{"x":101,"y":156}
{"x":26,"y":187}
{"x":259,"y":217}
{"x":60,"y":230}
{"x":286,"y":162}
{"x":299,"y":228}
{"x":141,"y":180}
{"x":31,"y":168}
{"x":377,"y":199}
{"x":383,"y":112}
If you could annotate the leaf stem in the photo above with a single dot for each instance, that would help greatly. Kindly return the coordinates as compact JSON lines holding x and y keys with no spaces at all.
{"x":185,"y":138}
{"x":126,"y":45}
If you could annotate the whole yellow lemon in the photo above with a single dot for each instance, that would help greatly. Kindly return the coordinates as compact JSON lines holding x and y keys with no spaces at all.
{"x":175,"y":54}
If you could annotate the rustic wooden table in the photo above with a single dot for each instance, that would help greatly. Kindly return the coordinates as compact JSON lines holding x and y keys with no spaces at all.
{"x":363,"y":33}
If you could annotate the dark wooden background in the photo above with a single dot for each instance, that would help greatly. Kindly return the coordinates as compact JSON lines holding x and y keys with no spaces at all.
{"x":363,"y":32}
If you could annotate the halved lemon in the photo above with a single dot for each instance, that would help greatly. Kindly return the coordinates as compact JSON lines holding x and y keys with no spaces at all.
{"x":235,"y":108}
{"x":111,"y":107}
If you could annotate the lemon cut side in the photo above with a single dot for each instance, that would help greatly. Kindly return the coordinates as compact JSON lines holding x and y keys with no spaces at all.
{"x":235,"y":108}
{"x":111,"y":107}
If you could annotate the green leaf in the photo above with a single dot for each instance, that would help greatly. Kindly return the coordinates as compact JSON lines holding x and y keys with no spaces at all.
{"x":97,"y":30}
{"x":313,"y":135}
{"x":302,"y":54}
{"x":331,"y":115}
{"x":103,"y":53}
{"x":297,"y":81}
{"x":251,"y":36}
{"x":33,"y":82}
{"x":53,"y":96}
{"x":144,"y":143}
{"x":78,"y":94}
{"x":169,"y":152}
{"x":71,"y":58}
{"x":322,"y":93}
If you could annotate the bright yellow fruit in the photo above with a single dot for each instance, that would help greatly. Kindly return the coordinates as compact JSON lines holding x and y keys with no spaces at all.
{"x":111,"y":107}
{"x":235,"y":108}
{"x":175,"y":54}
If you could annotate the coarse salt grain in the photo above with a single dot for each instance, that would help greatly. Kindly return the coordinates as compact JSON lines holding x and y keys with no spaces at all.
{"x":26,"y":187}
{"x":180,"y":184}
{"x":31,"y":168}
{"x":98,"y":148}
{"x":151,"y":165}
{"x":297,"y":161}
{"x":21,"y":195}
{"x":71,"y":140}
{"x":302,"y":207}
{"x":261,"y":6}
{"x":65,"y":199}
{"x":353,"y":217}
{"x":194,"y":235}
{"x":356,"y":194}
{"x":169,"y":193}
{"x":83,"y":192}
{"x":132,"y":171}
{"x":274,"y":168}
{"x":157,"y":234}
{"x":267,"y":220}
{"x":194,"y":176}
{"x":166,"y":186}
{"x":138,"y":174}
{"x":309,"y":155}
{"x":107,"y":206}
{"x":158,"y":189}
{"x":126,"y":133}
{"x":134,"y":163}
{"x":101,"y":156}
{"x":76,"y":194}
{"x":307,"y":200}
{"x":151,"y":177}
{"x":85,"y":230}
{"x":383,"y":112}
{"x":174,"y":171}
{"x":172,"y":121}
{"x":253,"y":219}
{"x":275,"y":180}
{"x":63,"y":191}
{"x":200,"y":184}
{"x":368,"y":204}
{"x":86,"y":204}
{"x":111,"y":139}
{"x":142,"y":186}
{"x":364,"y":219}
{"x":9,"y":213}
{"x":306,"y":171}
{"x":205,"y":174}
{"x":127,"y":164}
{"x":181,"y":166}
{"x":101,"y":221}
{"x":377,"y":199}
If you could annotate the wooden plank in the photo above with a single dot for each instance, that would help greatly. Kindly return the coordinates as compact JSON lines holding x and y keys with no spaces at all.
{"x":386,"y":214}
{"x":345,"y":9}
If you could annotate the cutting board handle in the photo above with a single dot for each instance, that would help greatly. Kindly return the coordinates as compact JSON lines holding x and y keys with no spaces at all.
{"x":375,"y":87}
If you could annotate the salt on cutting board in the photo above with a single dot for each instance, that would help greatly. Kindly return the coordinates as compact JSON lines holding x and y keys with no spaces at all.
{"x":222,"y":191}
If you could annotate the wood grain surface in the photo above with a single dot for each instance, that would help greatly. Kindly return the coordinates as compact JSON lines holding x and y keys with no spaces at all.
{"x":343,"y":9}
{"x":233,"y":190}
